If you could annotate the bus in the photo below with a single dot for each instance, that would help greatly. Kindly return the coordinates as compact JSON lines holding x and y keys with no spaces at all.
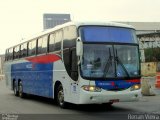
{"x":78,"y":63}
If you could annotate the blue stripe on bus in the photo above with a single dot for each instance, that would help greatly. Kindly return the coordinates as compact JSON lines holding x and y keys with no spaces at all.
{"x":37,"y":78}
{"x":115,"y":84}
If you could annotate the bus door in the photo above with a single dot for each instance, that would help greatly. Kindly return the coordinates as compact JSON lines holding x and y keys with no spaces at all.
{"x":74,"y":74}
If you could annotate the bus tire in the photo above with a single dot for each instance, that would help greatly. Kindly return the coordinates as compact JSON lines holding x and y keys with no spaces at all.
{"x":60,"y":97}
{"x":20,"y":90}
{"x":15,"y":88}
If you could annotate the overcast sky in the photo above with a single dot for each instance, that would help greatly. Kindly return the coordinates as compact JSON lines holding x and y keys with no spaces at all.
{"x":22,"y":18}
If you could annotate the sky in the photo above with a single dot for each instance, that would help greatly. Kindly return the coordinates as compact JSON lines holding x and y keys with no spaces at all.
{"x":20,"y":19}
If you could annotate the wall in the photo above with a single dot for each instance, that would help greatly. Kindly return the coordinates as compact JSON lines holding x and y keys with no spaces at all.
{"x":148,"y":69}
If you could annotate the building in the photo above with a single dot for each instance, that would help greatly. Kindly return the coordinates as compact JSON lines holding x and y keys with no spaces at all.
{"x":51,"y":20}
{"x":145,"y":27}
{"x":148,"y":34}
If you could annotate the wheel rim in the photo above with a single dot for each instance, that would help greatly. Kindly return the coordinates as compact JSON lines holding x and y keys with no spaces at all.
{"x":61,"y":96}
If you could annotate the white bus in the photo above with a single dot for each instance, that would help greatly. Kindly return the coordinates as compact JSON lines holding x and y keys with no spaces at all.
{"x":77,"y":62}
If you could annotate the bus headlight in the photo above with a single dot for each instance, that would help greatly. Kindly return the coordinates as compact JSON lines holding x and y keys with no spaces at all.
{"x":135,"y":87}
{"x":91,"y":88}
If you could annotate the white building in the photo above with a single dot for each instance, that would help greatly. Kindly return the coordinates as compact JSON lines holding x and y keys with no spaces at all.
{"x":145,"y":27}
{"x":148,"y":34}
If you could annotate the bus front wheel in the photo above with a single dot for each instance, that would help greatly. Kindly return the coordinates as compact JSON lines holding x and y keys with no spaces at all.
{"x":60,"y":97}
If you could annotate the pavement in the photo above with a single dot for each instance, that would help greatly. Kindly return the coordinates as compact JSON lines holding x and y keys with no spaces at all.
{"x":38,"y":108}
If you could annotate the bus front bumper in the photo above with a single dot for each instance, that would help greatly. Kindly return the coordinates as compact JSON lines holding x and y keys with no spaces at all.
{"x":104,"y":96}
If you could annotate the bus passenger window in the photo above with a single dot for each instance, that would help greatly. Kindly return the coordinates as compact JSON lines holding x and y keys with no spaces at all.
{"x":23,"y":52}
{"x":51,"y":42}
{"x":42,"y":45}
{"x":10,"y":54}
{"x":16,"y":52}
{"x":32,"y":48}
{"x":69,"y":37}
{"x":58,"y":39}
{"x":6,"y":55}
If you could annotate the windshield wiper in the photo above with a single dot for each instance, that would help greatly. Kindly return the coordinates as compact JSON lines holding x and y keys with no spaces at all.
{"x":119,"y":61}
{"x":108,"y":64}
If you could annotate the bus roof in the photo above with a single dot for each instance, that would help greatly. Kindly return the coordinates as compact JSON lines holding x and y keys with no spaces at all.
{"x":103,"y":23}
{"x":83,"y":23}
{"x":77,"y":24}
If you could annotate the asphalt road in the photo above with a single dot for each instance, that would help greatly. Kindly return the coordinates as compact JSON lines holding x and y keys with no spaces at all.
{"x":35,"y":107}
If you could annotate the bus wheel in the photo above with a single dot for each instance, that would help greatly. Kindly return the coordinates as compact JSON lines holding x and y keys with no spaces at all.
{"x":20,"y":90}
{"x":15,"y":88}
{"x":60,"y":97}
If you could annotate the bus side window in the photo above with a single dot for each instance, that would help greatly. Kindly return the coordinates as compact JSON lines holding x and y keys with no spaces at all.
{"x":69,"y":37}
{"x":6,"y":55}
{"x":42,"y":44}
{"x":58,"y":40}
{"x":51,"y":42}
{"x":23,"y":50}
{"x":16,"y":52}
{"x":32,"y":48}
{"x":10,"y":54}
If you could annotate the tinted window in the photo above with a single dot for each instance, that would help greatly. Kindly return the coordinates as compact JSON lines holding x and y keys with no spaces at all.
{"x":74,"y":67}
{"x":51,"y":42}
{"x":6,"y":55}
{"x":58,"y":39}
{"x":70,"y":35}
{"x":42,"y":44}
{"x":23,"y":50}
{"x":70,"y":62}
{"x":16,"y":52}
{"x":10,"y":54}
{"x":32,"y":48}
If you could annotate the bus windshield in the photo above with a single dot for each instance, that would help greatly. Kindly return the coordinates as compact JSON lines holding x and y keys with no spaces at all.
{"x":110,"y":61}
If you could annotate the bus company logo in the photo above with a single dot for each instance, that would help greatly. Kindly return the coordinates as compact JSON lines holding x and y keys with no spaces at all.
{"x":30,"y":66}
{"x":9,"y":117}
{"x":104,"y":84}
{"x":107,"y":83}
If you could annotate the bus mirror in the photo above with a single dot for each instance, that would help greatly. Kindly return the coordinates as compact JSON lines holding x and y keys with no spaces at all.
{"x":79,"y":47}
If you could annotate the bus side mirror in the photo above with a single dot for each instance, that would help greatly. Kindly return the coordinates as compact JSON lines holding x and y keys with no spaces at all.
{"x":79,"y":47}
